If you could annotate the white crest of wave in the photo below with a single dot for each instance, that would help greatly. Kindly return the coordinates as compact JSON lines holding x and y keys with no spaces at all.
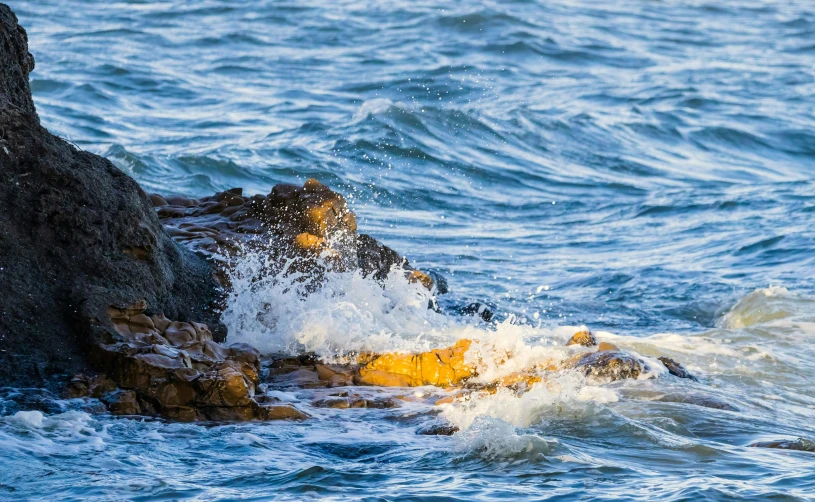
{"x":372,"y":107}
{"x":759,"y":306}
{"x":349,"y":312}
{"x":33,"y":432}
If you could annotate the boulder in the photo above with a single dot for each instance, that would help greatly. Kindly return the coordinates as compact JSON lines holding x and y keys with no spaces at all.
{"x":610,"y":365}
{"x":77,"y":235}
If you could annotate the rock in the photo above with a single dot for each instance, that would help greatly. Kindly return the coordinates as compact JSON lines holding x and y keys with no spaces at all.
{"x":676,"y":369}
{"x":355,"y":401}
{"x":478,"y":309}
{"x":584,"y":338}
{"x":280,"y":412}
{"x":440,"y":367}
{"x":799,"y":444}
{"x":176,"y":370}
{"x":611,"y":365}
{"x":698,"y":399}
{"x":77,"y":236}
{"x":437,"y":430}
{"x":440,"y":281}
{"x":122,"y":402}
{"x":304,"y":222}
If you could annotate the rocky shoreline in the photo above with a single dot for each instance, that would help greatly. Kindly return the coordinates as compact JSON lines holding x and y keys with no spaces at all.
{"x":113,"y":294}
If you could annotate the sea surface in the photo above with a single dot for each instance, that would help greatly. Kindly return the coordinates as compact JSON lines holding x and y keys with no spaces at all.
{"x":644,"y":168}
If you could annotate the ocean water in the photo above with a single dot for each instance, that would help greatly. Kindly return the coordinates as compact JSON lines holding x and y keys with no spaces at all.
{"x":644,"y":168}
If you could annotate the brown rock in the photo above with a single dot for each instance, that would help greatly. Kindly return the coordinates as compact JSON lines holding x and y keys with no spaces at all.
{"x":122,"y":402}
{"x":280,"y":412}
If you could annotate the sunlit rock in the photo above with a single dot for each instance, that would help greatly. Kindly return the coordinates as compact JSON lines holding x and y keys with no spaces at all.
{"x":584,"y":338}
{"x":175,"y":370}
{"x":440,"y":367}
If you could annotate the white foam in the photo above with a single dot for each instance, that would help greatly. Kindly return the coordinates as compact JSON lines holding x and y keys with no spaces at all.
{"x":372,"y":107}
{"x":349,"y":313}
{"x":495,"y":438}
{"x":762,"y":305}
{"x":32,"y":419}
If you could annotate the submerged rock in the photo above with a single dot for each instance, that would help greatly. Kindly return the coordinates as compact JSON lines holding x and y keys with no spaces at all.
{"x":478,"y":309}
{"x":77,"y":236}
{"x":799,"y":444}
{"x":437,"y":429}
{"x":676,"y":369}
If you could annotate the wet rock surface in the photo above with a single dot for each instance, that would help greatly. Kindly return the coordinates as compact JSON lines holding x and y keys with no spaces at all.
{"x":76,"y":236}
{"x":799,"y":444}
{"x":155,"y":366}
{"x":676,"y":369}
{"x":610,"y":365}
{"x":290,"y":222}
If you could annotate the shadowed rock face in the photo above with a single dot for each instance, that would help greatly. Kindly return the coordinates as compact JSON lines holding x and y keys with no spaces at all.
{"x":77,"y":236}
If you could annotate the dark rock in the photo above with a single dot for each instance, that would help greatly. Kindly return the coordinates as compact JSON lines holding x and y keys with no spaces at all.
{"x":437,"y":429}
{"x":799,"y":444}
{"x":611,"y":365}
{"x":676,"y":369}
{"x":478,"y":309}
{"x":440,"y":281}
{"x":295,"y":222}
{"x":77,"y":235}
{"x":355,"y":401}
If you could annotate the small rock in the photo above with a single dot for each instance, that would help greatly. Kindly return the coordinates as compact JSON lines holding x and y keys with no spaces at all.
{"x":676,"y":369}
{"x":799,"y":444}
{"x":584,"y":338}
{"x":122,"y":402}
{"x":437,"y":430}
{"x":478,"y":309}
{"x":611,"y":365}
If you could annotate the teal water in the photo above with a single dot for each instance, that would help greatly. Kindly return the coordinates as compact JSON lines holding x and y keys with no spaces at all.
{"x":644,"y":168}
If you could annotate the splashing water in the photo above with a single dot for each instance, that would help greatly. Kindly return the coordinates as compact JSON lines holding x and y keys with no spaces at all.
{"x":642,"y":168}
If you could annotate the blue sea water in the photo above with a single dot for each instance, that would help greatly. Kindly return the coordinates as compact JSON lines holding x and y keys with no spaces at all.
{"x":643,"y":167}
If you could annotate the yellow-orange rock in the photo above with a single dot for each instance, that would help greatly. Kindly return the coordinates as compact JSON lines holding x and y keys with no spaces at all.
{"x":584,"y":338}
{"x":417,"y":276}
{"x":439,"y":367}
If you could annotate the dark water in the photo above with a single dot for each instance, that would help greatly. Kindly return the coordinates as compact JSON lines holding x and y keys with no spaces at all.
{"x":639,"y":167}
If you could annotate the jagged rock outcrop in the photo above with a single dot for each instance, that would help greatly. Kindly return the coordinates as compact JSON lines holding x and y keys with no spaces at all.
{"x":290,"y":222}
{"x":154,"y":366}
{"x":77,"y":236}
